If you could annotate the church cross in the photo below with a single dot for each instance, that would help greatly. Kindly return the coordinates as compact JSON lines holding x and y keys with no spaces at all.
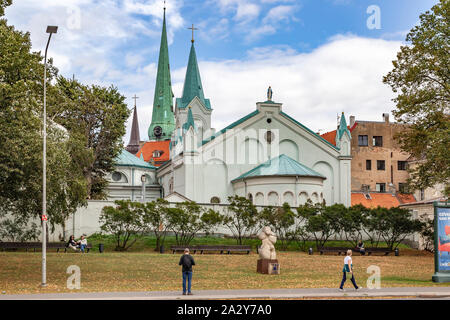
{"x":192,"y":28}
{"x":135,"y":98}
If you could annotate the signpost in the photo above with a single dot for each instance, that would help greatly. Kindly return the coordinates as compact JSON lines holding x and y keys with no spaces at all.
{"x":441,"y":242}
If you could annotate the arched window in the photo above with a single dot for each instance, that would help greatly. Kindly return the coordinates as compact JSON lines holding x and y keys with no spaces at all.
{"x":116,"y":176}
{"x":215,"y":200}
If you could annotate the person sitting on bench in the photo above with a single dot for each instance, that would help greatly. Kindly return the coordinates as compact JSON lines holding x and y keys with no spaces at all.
{"x":72,"y":244}
{"x":83,"y":243}
{"x":361,"y":248}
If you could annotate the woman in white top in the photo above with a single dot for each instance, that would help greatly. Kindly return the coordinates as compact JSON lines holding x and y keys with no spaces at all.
{"x":348,"y":267}
{"x":83,"y":243}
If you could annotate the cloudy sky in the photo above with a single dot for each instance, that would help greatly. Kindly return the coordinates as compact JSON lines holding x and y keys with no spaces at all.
{"x":321,"y":57}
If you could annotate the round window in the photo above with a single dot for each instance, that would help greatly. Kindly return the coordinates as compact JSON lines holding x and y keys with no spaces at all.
{"x":215,"y":200}
{"x":116,"y":176}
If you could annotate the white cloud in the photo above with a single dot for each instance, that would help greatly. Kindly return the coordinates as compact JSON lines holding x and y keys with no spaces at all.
{"x":280,"y":13}
{"x":342,"y":75}
{"x":246,"y":12}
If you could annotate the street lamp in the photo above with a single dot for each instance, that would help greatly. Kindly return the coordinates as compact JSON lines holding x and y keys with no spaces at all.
{"x":143,"y":179}
{"x":50,"y":30}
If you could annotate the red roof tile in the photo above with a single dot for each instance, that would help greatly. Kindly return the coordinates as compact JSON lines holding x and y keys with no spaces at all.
{"x":385,"y":200}
{"x":331,"y":136}
{"x":150,"y":146}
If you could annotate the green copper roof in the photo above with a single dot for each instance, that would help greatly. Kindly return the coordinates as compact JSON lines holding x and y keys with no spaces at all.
{"x":234,"y":124}
{"x":280,"y":166}
{"x":162,"y":115}
{"x":192,"y":83}
{"x":189,"y":122}
{"x":343,"y":128}
{"x":307,"y":129}
{"x":127,"y":159}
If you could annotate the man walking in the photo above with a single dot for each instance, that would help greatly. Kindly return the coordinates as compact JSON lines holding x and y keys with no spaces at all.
{"x":187,"y":261}
{"x":348,"y":267}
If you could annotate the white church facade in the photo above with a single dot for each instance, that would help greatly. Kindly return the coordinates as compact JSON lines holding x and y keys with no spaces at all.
{"x":266,"y":156}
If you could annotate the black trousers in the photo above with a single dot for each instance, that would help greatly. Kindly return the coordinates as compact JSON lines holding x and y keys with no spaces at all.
{"x":344,"y":278}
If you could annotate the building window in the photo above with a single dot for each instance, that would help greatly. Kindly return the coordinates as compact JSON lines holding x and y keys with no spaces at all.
{"x":381,"y":187}
{"x":116,"y":176}
{"x":157,"y":153}
{"x":377,"y":141}
{"x":269,"y":136}
{"x":401,"y":165}
{"x":402,"y":188}
{"x":368,"y":164}
{"x":380,"y":165}
{"x":215,"y":200}
{"x":363,"y":141}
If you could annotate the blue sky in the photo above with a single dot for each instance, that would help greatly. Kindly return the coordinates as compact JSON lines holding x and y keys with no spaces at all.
{"x":319,"y":56}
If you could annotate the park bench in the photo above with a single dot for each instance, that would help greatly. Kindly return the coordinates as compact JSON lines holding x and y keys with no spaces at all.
{"x":37,"y":245}
{"x":213,"y":248}
{"x":343,"y":250}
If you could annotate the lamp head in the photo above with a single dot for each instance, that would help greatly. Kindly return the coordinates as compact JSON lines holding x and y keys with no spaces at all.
{"x":52,"y":29}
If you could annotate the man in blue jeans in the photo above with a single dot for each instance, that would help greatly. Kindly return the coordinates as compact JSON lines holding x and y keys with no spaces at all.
{"x":187,"y":261}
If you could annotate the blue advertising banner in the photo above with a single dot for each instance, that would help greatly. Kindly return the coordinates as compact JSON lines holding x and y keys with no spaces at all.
{"x":443,"y":238}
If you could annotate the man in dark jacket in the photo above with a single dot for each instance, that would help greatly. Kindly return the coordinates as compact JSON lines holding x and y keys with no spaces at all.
{"x":187,"y":261}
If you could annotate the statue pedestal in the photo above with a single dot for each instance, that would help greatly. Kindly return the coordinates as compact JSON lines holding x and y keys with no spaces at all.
{"x":267,"y":266}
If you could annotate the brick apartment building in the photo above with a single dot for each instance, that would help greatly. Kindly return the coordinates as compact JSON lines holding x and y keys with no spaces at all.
{"x":379,"y":166}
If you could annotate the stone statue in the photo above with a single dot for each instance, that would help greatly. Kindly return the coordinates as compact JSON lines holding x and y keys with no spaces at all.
{"x":269,"y":94}
{"x":267,"y":249}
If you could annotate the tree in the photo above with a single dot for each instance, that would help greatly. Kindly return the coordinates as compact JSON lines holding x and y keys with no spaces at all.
{"x":3,"y":5}
{"x":395,"y":224}
{"x":421,"y":78}
{"x":281,"y":220}
{"x":21,"y":105}
{"x":371,"y":220}
{"x":185,"y":221}
{"x":17,"y":229}
{"x":350,"y":221}
{"x":123,"y":221}
{"x":156,"y":219}
{"x":96,"y":116}
{"x":427,"y":233}
{"x":322,"y":223}
{"x":242,"y":217}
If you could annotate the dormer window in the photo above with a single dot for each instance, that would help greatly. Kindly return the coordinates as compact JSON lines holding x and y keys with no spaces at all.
{"x":157,"y":153}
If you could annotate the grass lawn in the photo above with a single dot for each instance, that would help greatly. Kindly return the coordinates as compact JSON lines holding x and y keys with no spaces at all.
{"x":20,"y":272}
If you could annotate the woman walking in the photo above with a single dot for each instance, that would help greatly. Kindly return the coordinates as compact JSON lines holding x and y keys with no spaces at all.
{"x":348,"y":267}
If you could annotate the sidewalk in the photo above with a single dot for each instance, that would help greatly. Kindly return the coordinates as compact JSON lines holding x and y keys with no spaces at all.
{"x":418,"y":292}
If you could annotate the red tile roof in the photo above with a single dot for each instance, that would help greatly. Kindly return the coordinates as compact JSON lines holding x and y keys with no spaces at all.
{"x":385,"y":200}
{"x":150,"y":146}
{"x":331,"y":136}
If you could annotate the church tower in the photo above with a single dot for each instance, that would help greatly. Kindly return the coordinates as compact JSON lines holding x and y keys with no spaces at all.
{"x":135,"y":138}
{"x":163,"y":120}
{"x":193,"y":98}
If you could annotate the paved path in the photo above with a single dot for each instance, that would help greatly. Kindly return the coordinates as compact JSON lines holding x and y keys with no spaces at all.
{"x":419,"y":292}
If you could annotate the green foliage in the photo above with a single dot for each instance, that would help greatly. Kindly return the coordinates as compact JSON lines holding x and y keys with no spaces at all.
{"x":421,"y":78}
{"x":242,"y":218}
{"x":96,"y":116}
{"x":395,"y":224}
{"x":280,"y":220}
{"x":155,"y":219}
{"x":123,"y":221}
{"x":17,"y":229}
{"x":3,"y":5}
{"x":351,"y":222}
{"x":323,"y":223}
{"x":188,"y":218}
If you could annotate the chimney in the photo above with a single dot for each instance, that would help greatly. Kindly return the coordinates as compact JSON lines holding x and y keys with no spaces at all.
{"x":352,"y":121}
{"x":386,"y":117}
{"x":392,"y":189}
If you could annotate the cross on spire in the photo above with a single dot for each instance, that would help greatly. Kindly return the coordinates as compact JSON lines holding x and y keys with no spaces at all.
{"x":135,"y":98}
{"x":192,"y":28}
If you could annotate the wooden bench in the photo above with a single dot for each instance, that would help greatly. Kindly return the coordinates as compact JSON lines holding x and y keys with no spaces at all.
{"x":212,"y":248}
{"x":343,"y":250}
{"x":37,"y":245}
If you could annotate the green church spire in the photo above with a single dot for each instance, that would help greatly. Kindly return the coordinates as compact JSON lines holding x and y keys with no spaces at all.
{"x":192,"y":83}
{"x":163,"y":120}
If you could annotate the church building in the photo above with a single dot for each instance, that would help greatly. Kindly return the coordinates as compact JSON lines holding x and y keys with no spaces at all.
{"x":266,"y":156}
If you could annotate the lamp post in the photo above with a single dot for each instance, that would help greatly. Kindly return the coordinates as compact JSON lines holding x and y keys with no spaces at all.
{"x":143,"y":179}
{"x":50,"y":30}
